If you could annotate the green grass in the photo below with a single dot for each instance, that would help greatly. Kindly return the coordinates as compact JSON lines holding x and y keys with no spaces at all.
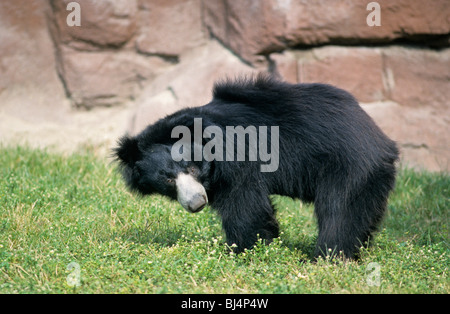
{"x":56,"y":211}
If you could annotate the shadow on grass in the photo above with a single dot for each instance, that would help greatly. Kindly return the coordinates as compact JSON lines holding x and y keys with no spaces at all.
{"x":155,"y":232}
{"x":303,"y":243}
{"x":166,"y":236}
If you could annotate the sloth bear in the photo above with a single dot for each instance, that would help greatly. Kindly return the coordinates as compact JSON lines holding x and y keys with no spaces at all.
{"x":260,"y":136}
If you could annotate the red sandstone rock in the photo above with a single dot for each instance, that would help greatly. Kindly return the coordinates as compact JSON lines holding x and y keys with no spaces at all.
{"x":103,"y":23}
{"x":169,"y":28}
{"x":152,"y":57}
{"x":252,"y":27}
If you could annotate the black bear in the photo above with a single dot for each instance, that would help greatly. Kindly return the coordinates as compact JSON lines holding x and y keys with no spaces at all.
{"x":260,"y":136}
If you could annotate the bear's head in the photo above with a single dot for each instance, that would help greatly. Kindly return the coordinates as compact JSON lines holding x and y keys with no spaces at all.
{"x":149,"y":169}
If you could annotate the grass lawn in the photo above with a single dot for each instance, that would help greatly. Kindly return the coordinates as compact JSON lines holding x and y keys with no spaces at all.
{"x":67,"y":224}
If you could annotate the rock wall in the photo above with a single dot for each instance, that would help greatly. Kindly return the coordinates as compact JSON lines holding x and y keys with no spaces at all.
{"x":252,"y":28}
{"x":134,"y":61}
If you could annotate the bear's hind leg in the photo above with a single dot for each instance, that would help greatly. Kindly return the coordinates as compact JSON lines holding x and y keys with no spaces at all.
{"x":347,"y":219}
{"x":339,"y":234}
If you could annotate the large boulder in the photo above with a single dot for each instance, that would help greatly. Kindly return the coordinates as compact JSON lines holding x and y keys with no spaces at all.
{"x":121,"y":46}
{"x":252,"y":28}
{"x":106,"y":78}
{"x":168,"y":28}
{"x":29,"y":85}
{"x":104,"y":24}
{"x":187,"y":84}
{"x":418,"y":77}
{"x":421,"y":133}
{"x":410,"y":76}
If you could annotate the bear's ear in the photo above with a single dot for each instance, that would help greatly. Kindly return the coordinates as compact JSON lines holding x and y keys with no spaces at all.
{"x":127,"y":151}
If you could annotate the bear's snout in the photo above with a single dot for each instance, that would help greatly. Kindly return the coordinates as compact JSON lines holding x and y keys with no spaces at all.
{"x":190,"y":193}
{"x":197,"y":204}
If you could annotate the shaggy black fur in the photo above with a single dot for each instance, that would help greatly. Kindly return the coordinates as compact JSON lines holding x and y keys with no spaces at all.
{"x":331,"y":153}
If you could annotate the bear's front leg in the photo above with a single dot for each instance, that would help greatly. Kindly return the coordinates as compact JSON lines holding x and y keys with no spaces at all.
{"x":241,"y":238}
{"x":246,"y":217}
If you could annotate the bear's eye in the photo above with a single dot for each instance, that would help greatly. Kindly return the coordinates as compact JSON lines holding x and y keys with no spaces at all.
{"x":170,"y":181}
